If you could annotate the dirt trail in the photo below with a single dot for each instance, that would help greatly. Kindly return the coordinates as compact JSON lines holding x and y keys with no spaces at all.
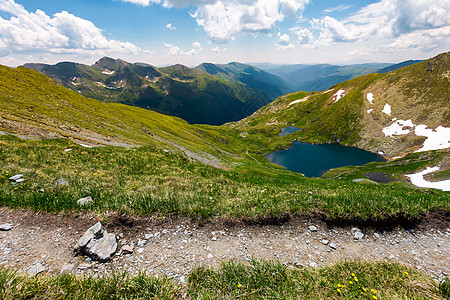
{"x":174,"y":247}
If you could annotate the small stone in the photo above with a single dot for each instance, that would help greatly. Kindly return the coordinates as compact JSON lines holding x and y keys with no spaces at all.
{"x":377,"y":235}
{"x":67,"y":268}
{"x":148,"y":236}
{"x":354,"y":230}
{"x":210,"y":256}
{"x":15,"y":177}
{"x":213,"y":239}
{"x":84,"y":266}
{"x":325,"y":242}
{"x":41,"y":190}
{"x":68,"y":150}
{"x":312,"y":228}
{"x":36,"y":269}
{"x":127,"y":249}
{"x":140,"y":250}
{"x":313,"y":265}
{"x":333,"y":246}
{"x":391,"y":257}
{"x":141,"y":243}
{"x":85,"y":200}
{"x":61,"y":181}
{"x":20,"y":180}
{"x":6,"y":227}
{"x":182,"y":279}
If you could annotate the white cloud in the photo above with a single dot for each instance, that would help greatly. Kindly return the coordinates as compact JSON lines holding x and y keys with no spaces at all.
{"x":303,"y":34}
{"x":225,"y":20}
{"x":176,"y":51}
{"x":284,"y":42}
{"x":228,"y":19}
{"x":170,"y":26}
{"x":337,"y":8}
{"x":62,"y":33}
{"x":218,"y":50}
{"x":405,"y":22}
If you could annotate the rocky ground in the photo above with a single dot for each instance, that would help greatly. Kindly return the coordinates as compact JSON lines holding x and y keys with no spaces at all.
{"x":45,"y":242}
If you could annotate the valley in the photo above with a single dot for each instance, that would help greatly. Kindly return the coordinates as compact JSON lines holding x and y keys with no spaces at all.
{"x":146,"y":172}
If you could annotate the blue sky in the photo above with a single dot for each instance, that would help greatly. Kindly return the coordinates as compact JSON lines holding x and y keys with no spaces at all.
{"x":162,"y":32}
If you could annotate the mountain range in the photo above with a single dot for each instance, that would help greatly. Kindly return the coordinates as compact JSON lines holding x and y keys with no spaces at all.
{"x":191,"y":94}
{"x":318,"y":77}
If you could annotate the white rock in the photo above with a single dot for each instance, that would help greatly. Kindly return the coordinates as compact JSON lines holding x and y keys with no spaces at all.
{"x":127,"y":249}
{"x":67,"y":268}
{"x":325,"y":242}
{"x":6,"y":227}
{"x":313,"y":265}
{"x":15,"y":177}
{"x":36,"y":269}
{"x":312,"y":228}
{"x":85,"y":200}
{"x":333,"y":246}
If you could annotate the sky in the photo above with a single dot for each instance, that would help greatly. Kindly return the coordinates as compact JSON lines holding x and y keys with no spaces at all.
{"x":190,"y":32}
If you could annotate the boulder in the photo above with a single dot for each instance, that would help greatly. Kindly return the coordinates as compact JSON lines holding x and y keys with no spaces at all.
{"x":95,"y":232}
{"x":61,"y":181}
{"x":97,"y":243}
{"x":15,"y":177}
{"x":102,"y":249}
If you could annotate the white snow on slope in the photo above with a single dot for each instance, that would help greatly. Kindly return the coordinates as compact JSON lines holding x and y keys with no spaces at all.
{"x":370,"y":98}
{"x":436,"y":139}
{"x":338,"y":95}
{"x":327,"y":91}
{"x":298,"y":101}
{"x":418,"y":180}
{"x":108,"y":72}
{"x":397,"y":128}
{"x":387,"y":109}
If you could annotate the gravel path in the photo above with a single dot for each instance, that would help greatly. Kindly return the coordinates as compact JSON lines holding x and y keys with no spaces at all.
{"x":174,"y":247}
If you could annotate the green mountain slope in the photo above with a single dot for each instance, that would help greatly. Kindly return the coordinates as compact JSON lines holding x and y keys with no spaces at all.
{"x":345,"y":114}
{"x":271,"y":85}
{"x":34,"y":105}
{"x":192,"y":95}
{"x":195,"y":170}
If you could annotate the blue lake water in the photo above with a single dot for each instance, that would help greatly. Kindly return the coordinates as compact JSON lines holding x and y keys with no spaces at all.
{"x":289,"y":130}
{"x":315,"y":160}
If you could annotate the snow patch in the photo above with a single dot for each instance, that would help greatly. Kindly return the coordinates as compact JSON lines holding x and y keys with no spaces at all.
{"x":327,"y":91}
{"x":397,"y":127}
{"x":369,"y":110}
{"x":298,"y":101}
{"x":338,"y":95}
{"x":418,"y":180}
{"x":370,"y":98}
{"x":436,"y":139}
{"x":387,"y":109}
{"x":108,"y":72}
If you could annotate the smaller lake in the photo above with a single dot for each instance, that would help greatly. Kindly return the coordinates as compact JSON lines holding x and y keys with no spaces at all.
{"x":289,"y":130}
{"x":315,"y":160}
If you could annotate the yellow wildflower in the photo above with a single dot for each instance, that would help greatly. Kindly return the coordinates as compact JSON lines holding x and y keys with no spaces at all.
{"x":351,"y":282}
{"x":239,"y":285}
{"x":405,"y":273}
{"x":374,"y":297}
{"x":339,"y":290}
{"x":373,"y":291}
{"x":353,"y":274}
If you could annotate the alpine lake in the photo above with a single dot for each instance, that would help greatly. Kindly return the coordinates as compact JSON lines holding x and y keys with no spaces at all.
{"x":315,"y":160}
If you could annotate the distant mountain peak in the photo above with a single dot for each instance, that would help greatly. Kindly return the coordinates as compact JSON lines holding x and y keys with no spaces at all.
{"x":110,"y":63}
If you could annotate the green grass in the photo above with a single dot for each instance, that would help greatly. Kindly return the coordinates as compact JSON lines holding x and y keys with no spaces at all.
{"x":149,"y":180}
{"x":256,"y":279}
{"x":345,"y":280}
{"x":116,"y":286}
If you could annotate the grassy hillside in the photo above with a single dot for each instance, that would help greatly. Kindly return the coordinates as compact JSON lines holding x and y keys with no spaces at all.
{"x":180,"y":168}
{"x":344,"y":114}
{"x":192,"y":95}
{"x":271,"y":85}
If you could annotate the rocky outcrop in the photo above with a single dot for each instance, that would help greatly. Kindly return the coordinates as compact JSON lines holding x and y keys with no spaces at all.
{"x":97,"y":243}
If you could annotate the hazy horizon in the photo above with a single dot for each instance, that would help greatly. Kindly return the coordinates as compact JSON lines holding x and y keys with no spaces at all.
{"x":190,"y":32}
